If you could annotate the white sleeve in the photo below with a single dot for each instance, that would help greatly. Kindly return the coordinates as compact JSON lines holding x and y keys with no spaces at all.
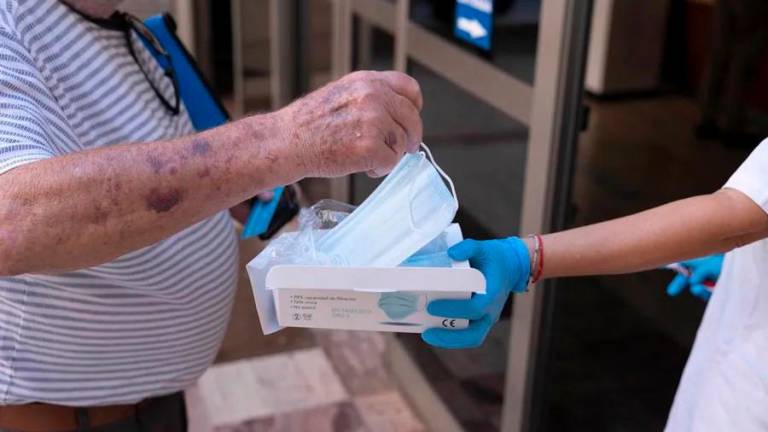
{"x":24,"y":127}
{"x":752,"y":176}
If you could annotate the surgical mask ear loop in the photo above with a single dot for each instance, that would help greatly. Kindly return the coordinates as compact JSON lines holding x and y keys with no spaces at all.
{"x":442,"y":174}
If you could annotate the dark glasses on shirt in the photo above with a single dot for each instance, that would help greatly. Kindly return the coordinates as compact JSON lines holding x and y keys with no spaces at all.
{"x":134,"y":24}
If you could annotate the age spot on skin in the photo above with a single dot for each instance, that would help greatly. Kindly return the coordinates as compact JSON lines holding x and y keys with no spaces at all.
{"x":203,"y":173}
{"x":200,"y":147}
{"x":161,"y":201}
{"x":99,"y":215}
{"x":156,"y":163}
{"x":258,"y":135}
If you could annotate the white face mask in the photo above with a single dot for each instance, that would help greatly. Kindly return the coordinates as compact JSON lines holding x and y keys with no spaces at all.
{"x":410,"y":207}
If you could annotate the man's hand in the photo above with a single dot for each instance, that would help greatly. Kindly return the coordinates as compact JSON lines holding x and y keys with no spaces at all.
{"x":364,"y":122}
{"x":505,"y":263}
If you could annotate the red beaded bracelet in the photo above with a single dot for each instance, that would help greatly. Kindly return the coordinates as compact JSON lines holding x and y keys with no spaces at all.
{"x":540,"y":263}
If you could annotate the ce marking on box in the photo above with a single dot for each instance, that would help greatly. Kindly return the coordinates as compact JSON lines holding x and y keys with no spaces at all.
{"x":449,"y":323}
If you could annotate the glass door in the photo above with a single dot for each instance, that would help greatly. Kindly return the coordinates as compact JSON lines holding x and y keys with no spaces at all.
{"x":502,"y":123}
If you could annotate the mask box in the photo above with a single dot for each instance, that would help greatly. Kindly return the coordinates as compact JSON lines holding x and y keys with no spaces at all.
{"x":361,"y":298}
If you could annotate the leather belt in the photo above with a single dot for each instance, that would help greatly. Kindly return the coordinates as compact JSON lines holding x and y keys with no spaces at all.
{"x":42,"y":417}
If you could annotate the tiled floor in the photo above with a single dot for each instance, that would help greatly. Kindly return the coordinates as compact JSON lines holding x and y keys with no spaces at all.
{"x":296,"y":379}
{"x":342,"y":387}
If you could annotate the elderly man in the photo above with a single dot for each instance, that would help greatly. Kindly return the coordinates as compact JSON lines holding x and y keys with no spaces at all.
{"x":117,"y":255}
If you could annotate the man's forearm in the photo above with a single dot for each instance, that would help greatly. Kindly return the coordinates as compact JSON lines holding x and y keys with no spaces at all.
{"x":680,"y":230}
{"x":89,"y":207}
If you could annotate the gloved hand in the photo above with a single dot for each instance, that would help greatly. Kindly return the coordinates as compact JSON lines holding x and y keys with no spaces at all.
{"x":505,"y":263}
{"x":702,"y":269}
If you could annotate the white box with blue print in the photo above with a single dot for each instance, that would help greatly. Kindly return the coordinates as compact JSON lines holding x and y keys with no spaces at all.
{"x":392,"y":299}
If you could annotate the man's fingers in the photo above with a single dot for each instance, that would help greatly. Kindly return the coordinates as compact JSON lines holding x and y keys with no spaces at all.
{"x":388,"y":151}
{"x":396,"y":138}
{"x":405,"y":114}
{"x":404,"y":85}
{"x":471,"y":337}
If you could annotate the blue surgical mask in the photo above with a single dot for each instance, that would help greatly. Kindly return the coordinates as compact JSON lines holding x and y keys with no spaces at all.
{"x":399,"y":305}
{"x":410,"y":207}
{"x":436,"y":259}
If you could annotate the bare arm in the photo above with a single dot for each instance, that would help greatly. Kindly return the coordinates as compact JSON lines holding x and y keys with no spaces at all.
{"x":89,"y":207}
{"x":683,"y":229}
{"x":679,"y":230}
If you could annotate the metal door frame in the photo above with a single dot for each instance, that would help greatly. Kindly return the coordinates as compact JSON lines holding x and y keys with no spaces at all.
{"x":548,"y":109}
{"x":556,"y":118}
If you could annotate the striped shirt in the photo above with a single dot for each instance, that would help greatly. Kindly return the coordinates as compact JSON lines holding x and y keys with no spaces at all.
{"x":149,"y":322}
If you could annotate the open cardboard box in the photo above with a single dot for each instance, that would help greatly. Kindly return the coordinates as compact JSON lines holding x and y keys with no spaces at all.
{"x":360,"y":298}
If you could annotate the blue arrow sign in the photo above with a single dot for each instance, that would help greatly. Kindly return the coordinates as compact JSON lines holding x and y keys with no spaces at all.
{"x":474,"y":22}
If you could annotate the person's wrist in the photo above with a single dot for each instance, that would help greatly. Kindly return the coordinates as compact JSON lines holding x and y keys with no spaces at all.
{"x":274,"y":144}
{"x":519,"y":255}
{"x":530,"y":245}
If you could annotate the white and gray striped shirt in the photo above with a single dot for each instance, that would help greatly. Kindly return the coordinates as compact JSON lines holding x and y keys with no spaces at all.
{"x":147,"y":323}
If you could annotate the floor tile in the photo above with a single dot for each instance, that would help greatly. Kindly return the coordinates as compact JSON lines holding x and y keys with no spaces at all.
{"x":197,"y":413}
{"x":359,"y":360}
{"x":388,"y":412}
{"x":456,"y":399}
{"x":488,"y":359}
{"x":425,"y":356}
{"x":249,"y":389}
{"x":341,"y":417}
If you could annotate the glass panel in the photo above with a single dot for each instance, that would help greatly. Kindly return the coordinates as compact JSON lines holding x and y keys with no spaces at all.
{"x":318,"y":39}
{"x":484,"y":152}
{"x":482,"y":149}
{"x":619,"y":344}
{"x":514,"y":32}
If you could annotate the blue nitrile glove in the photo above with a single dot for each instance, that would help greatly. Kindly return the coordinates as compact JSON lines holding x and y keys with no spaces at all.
{"x":505,"y":263}
{"x":702,"y":269}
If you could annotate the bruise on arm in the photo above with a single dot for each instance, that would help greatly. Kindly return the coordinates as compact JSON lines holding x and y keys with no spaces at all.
{"x":161,"y":201}
{"x":165,"y":199}
{"x":88,"y":207}
{"x":200,"y":147}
